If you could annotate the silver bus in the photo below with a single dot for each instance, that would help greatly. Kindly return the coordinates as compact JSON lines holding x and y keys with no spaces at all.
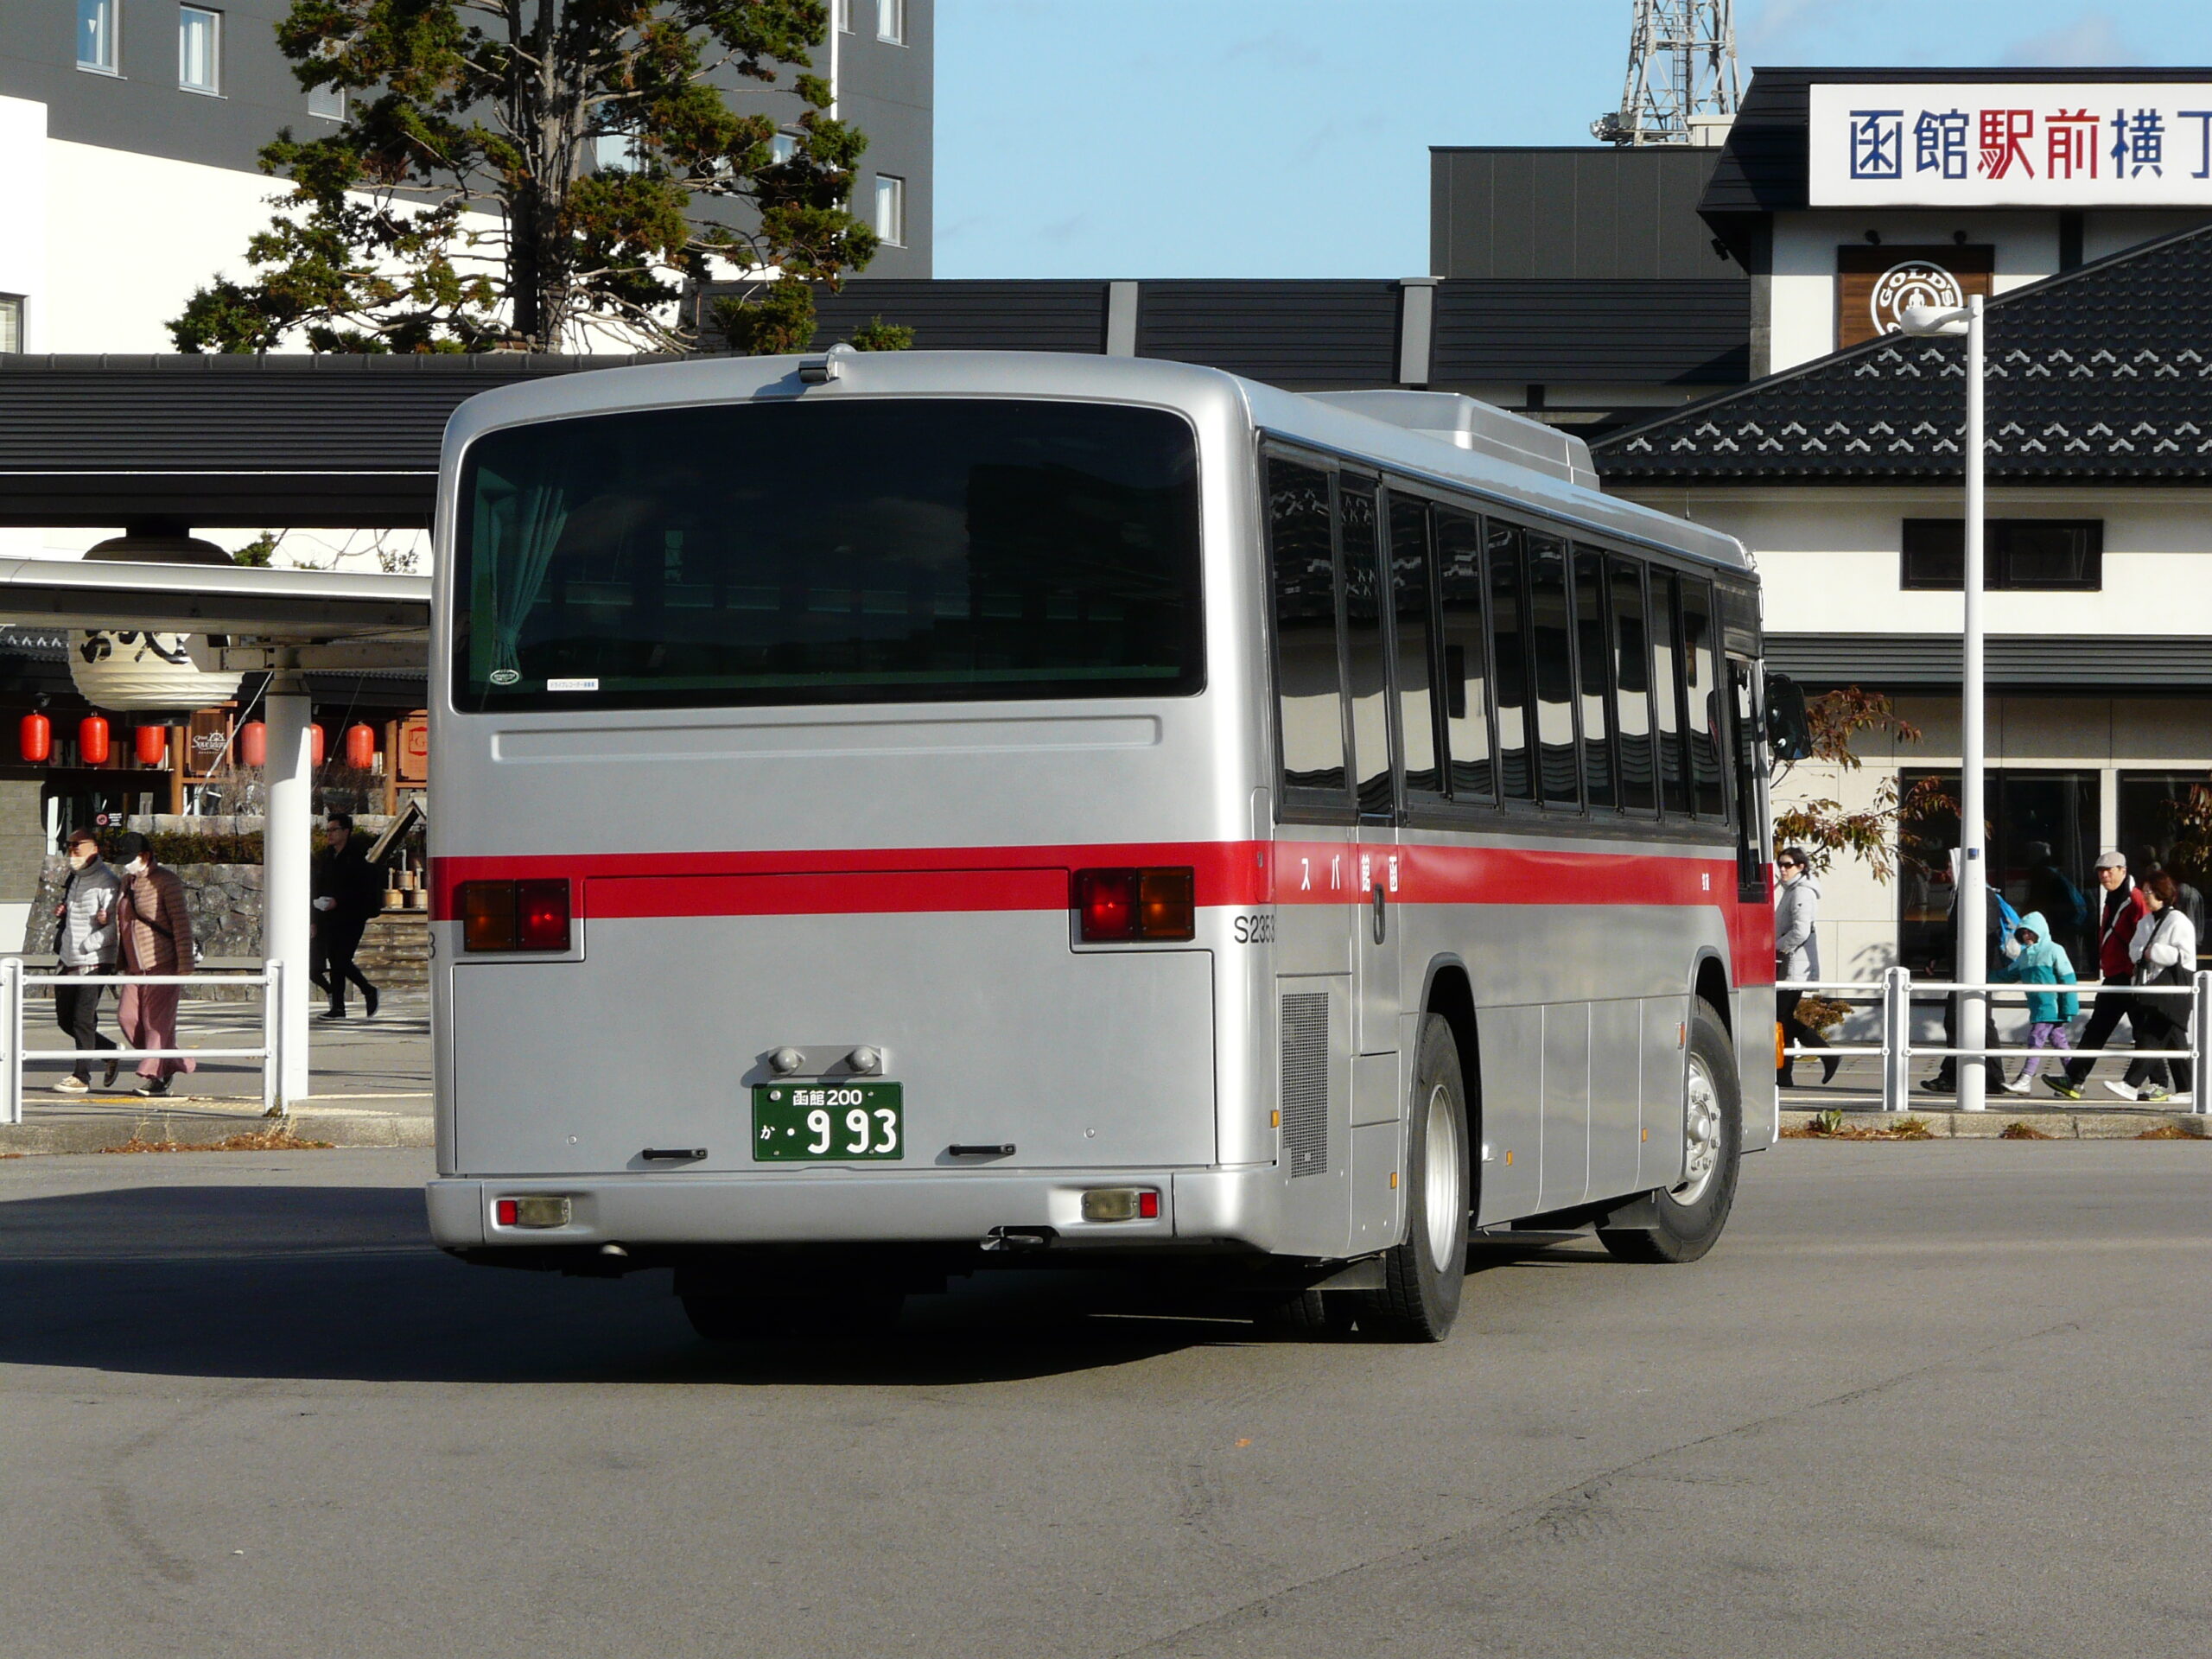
{"x":899,"y":814}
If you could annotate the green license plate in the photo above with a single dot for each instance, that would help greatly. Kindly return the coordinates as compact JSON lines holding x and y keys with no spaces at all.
{"x":850,"y":1123}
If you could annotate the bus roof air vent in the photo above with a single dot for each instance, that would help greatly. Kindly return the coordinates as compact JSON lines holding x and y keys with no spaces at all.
{"x":1470,"y":423}
{"x":829,"y":365}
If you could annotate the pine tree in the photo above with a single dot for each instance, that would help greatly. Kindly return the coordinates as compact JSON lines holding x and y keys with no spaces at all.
{"x":463,"y":204}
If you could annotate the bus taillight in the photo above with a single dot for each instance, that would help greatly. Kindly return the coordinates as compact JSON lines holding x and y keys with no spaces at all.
{"x":515,"y":915}
{"x":1119,"y":906}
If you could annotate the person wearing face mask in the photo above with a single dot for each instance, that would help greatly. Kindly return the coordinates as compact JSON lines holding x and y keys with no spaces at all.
{"x":156,"y":938}
{"x":84,"y":938}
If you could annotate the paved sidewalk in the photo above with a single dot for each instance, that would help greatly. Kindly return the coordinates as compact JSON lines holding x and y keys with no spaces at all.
{"x":2099,"y":1114}
{"x":370,"y":1083}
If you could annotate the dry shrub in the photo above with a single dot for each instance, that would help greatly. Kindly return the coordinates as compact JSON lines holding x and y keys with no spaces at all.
{"x":2018,"y":1130}
{"x":1833,"y":1126}
{"x":273,"y":1140}
{"x":2170,"y":1132}
{"x":1822,"y":1014}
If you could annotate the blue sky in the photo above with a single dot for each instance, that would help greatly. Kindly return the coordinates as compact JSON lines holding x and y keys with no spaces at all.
{"x":1290,"y":137}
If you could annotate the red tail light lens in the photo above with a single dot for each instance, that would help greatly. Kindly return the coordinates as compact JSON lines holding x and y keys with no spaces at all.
{"x":541,"y":914}
{"x":487,"y":915}
{"x":515,"y":915}
{"x":1119,"y":906}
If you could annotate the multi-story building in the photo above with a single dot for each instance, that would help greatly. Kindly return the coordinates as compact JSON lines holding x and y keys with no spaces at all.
{"x":129,"y":130}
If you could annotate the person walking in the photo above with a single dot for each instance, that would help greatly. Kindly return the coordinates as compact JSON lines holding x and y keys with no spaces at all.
{"x":156,"y":937}
{"x":1997,"y":912}
{"x":83,"y":939}
{"x":2163,"y":950}
{"x":347,"y":890}
{"x":2123,"y":907}
{"x":2038,"y":959}
{"x":1797,"y":956}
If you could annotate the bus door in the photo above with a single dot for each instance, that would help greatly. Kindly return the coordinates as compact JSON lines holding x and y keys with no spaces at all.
{"x":1378,"y":1093}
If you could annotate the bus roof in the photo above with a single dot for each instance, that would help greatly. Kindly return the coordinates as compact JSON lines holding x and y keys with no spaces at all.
{"x":1453,"y":441}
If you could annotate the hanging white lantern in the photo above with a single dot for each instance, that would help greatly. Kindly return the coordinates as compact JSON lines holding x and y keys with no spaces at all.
{"x":130,"y":672}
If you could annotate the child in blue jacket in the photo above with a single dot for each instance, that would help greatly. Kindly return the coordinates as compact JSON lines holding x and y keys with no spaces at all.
{"x":2038,"y":959}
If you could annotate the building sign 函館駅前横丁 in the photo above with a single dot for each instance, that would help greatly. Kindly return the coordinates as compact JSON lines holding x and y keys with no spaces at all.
{"x":2034,"y":144}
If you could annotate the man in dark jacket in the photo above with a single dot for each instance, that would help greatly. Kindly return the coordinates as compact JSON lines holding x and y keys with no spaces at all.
{"x":347,"y":890}
{"x":2123,"y":907}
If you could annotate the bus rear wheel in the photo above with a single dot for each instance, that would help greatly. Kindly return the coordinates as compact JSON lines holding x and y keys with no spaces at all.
{"x":1423,"y":1274}
{"x":1682,"y":1223}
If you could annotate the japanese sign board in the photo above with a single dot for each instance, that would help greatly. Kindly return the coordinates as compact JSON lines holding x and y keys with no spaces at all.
{"x":415,"y":749}
{"x":2040,"y":144}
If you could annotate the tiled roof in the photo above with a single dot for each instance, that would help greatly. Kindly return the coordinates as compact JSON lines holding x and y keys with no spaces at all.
{"x":2104,"y":373}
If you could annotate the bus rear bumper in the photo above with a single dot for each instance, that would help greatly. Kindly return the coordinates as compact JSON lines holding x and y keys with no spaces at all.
{"x":1205,"y":1206}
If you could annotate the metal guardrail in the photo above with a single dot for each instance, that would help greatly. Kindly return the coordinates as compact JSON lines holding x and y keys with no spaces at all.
{"x":14,"y":981}
{"x":1897,"y":989}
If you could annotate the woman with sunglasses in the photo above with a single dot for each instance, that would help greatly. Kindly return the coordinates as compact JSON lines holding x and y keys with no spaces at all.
{"x":1797,"y":956}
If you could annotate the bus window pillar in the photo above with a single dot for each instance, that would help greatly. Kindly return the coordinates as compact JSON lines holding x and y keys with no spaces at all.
{"x":286,"y":850}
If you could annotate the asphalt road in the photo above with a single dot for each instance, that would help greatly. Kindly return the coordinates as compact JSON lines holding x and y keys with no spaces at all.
{"x":1926,"y":1400}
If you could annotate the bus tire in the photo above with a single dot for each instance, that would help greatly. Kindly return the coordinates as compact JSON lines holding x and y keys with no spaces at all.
{"x":1423,"y":1273}
{"x":1681,"y":1223}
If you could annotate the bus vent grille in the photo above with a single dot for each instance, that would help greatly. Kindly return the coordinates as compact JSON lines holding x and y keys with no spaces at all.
{"x":1306,"y":1082}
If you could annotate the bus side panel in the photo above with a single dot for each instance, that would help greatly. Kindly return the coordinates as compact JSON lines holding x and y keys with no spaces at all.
{"x":1755,"y":1066}
{"x":1615,"y":1095}
{"x":1666,"y":1068}
{"x":1511,"y":1153}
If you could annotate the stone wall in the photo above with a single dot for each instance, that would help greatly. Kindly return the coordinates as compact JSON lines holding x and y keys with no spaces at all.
{"x":225,"y":901}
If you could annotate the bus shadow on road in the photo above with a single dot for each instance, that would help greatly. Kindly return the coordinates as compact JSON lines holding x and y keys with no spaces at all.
{"x":342,"y":1283}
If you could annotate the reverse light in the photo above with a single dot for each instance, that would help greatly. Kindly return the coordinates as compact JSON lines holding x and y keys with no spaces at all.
{"x":1119,"y":906}
{"x":538,"y":1210}
{"x":515,"y":915}
{"x":1120,"y":1203}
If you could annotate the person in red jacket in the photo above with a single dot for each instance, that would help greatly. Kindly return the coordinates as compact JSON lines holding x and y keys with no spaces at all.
{"x":2124,"y":908}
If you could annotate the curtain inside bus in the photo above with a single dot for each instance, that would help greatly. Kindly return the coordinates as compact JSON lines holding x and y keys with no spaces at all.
{"x":831,"y":551}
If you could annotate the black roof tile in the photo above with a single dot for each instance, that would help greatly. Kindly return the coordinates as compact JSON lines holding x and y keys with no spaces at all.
{"x":2104,"y":373}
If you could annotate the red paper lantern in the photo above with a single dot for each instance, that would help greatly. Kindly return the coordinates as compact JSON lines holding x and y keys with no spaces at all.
{"x":152,"y":742}
{"x":315,"y":745}
{"x":36,"y":737}
{"x":253,"y":744}
{"x":360,"y":746}
{"x":91,"y":740}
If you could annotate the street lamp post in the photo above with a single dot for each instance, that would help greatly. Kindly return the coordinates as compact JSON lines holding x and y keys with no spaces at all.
{"x":1971,"y":911}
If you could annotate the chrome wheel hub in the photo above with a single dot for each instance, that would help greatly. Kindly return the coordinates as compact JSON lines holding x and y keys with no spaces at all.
{"x":1701,"y":1133}
{"x":1442,"y":1198}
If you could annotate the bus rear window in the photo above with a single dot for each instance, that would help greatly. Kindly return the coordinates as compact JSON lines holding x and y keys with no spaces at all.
{"x":857,"y":551}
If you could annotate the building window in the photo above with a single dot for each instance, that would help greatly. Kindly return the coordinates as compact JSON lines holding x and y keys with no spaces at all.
{"x":96,"y":41}
{"x":11,"y":323}
{"x":891,"y":210}
{"x":198,"y":49}
{"x":783,"y":147}
{"x":2060,"y":554}
{"x":328,"y":102}
{"x":2043,"y":843}
{"x":891,"y":21}
{"x":840,"y":16}
{"x":614,"y":150}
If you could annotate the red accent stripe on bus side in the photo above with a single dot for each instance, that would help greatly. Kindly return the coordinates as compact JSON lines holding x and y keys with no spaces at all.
{"x":891,"y":880}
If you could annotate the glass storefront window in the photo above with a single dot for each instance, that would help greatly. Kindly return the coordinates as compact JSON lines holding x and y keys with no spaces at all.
{"x":2166,"y":821}
{"x":2043,"y":847}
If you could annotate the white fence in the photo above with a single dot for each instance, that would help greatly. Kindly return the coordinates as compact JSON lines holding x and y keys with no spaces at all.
{"x":1898,"y":990}
{"x":14,"y":981}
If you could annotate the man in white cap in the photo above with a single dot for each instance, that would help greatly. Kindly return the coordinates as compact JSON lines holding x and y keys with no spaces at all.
{"x":2123,"y":907}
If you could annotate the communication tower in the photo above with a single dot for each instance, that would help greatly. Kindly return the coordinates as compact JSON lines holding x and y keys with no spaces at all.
{"x":1681,"y":85}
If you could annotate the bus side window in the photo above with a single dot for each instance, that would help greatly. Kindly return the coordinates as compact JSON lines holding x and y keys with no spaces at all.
{"x":1632,"y":687}
{"x":1559,"y":764}
{"x":1462,"y":622}
{"x":1367,"y":675}
{"x":1409,"y":603}
{"x":1309,"y":676}
{"x":1592,"y":662}
{"x":1701,"y":707}
{"x":1510,"y":659}
{"x":1667,"y":698}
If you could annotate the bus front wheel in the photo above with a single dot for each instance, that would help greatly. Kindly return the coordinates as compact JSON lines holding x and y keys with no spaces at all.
{"x":1682,"y":1223}
{"x":1423,"y":1274}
